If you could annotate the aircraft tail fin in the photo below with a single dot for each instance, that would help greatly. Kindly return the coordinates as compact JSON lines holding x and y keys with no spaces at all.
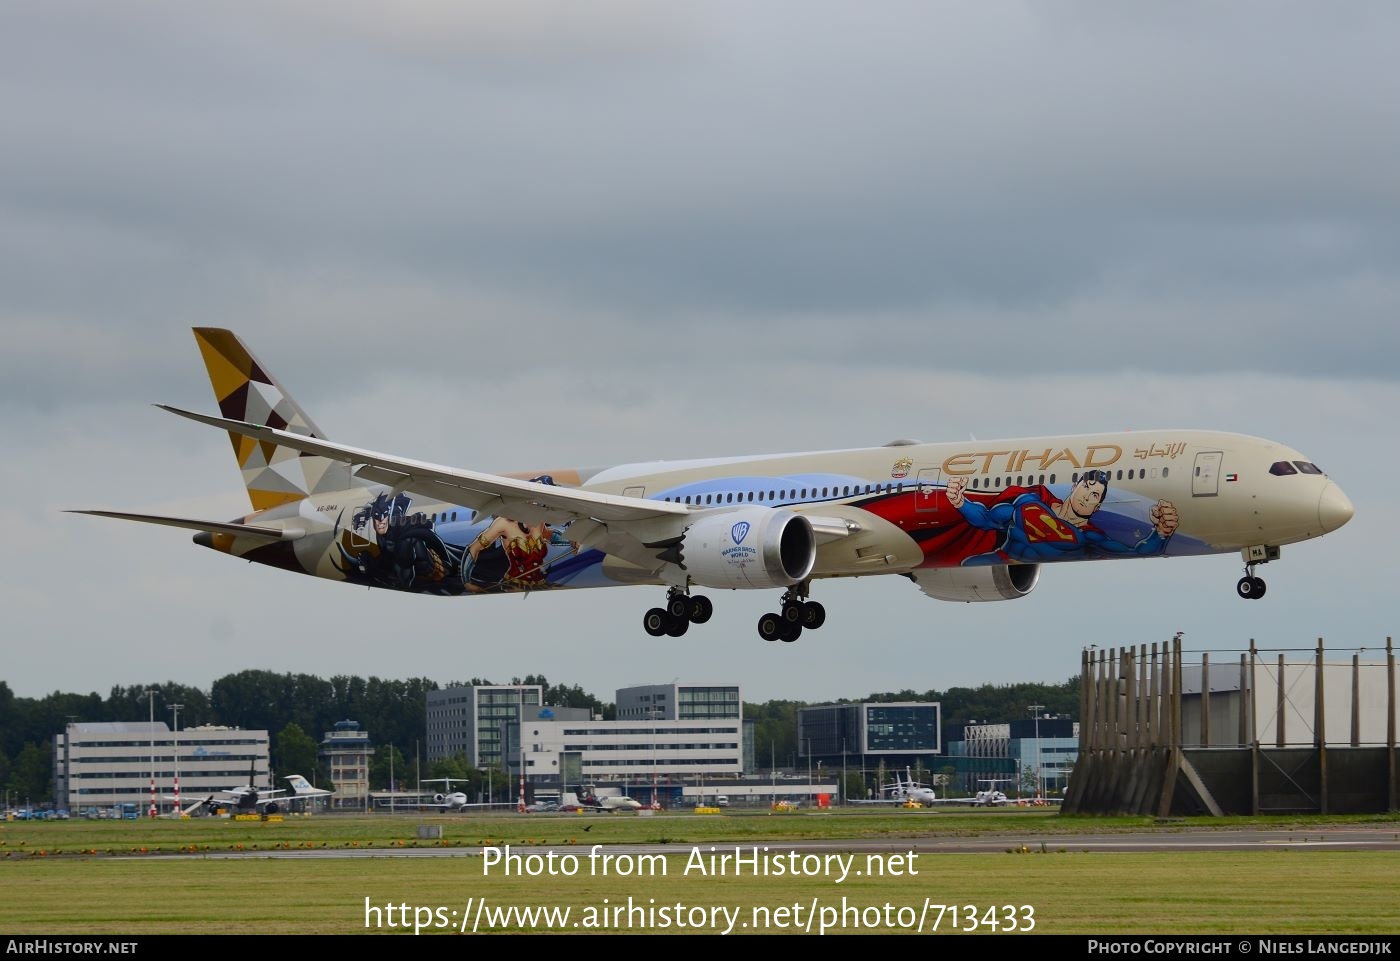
{"x":300,"y":785}
{"x":246,"y":391}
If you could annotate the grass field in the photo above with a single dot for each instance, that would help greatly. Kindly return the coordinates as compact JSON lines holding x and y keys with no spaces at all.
{"x":102,"y":877}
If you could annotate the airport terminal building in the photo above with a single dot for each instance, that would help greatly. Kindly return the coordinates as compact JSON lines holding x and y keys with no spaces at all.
{"x":471,"y":720}
{"x":107,"y":764}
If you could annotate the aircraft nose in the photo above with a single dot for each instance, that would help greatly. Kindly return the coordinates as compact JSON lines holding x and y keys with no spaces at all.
{"x":1333,"y":508}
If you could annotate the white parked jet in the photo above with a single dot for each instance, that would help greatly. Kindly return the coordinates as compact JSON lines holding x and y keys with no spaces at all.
{"x":990,"y":796}
{"x":965,"y":521}
{"x":450,"y":800}
{"x":906,"y":792}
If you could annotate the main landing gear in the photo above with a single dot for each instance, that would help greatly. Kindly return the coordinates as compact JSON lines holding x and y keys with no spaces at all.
{"x":681,"y":611}
{"x":1249,"y":587}
{"x":792,"y":617}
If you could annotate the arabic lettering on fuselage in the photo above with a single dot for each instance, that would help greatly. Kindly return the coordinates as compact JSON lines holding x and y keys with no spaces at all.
{"x":988,"y":462}
{"x":1169,"y":450}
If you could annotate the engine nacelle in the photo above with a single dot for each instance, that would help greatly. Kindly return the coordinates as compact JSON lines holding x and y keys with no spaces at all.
{"x":439,"y":798}
{"x":271,"y":808}
{"x":753,"y":547}
{"x":999,"y":582}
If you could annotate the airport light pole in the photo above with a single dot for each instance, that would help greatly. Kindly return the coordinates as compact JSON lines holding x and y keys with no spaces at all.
{"x":1036,"y":709}
{"x":68,"y":766}
{"x":520,"y":735}
{"x":842,"y":792}
{"x":175,"y":708}
{"x":151,"y":696}
{"x":809,"y":770}
{"x":654,"y":713}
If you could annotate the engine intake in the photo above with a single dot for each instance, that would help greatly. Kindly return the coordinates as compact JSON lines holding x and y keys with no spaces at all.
{"x":999,"y":582}
{"x":753,"y":547}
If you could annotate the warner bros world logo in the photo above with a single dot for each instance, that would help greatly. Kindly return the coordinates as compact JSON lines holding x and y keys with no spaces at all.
{"x":738,"y":554}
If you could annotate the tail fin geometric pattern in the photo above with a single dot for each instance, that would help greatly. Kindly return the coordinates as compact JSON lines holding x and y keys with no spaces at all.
{"x":246,"y":391}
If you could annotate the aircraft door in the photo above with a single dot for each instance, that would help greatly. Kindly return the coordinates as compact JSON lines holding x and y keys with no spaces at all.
{"x":929,"y":496}
{"x":1205,"y":479}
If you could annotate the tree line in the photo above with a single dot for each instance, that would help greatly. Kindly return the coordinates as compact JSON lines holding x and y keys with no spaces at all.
{"x":297,"y":709}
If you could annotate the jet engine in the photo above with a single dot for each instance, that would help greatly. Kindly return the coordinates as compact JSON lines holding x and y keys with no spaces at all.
{"x":271,"y":808}
{"x":753,"y":547}
{"x":998,"y":582}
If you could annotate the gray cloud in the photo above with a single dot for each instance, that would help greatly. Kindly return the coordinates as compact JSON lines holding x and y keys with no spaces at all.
{"x":505,"y":235}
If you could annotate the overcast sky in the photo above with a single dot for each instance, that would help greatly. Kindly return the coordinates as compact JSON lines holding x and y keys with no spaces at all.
{"x":511,"y":236}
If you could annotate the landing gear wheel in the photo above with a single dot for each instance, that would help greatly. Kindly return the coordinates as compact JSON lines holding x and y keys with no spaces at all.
{"x":678,"y":606}
{"x":791,"y":632}
{"x":792,"y":611}
{"x":770,"y":627}
{"x":654,"y":621}
{"x":1248,"y":587}
{"x":700,"y":609}
{"x":813,"y":615}
{"x":677,"y":626}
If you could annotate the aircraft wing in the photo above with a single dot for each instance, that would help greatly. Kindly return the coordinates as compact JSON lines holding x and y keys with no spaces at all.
{"x":632,"y":528}
{"x":488,"y":493}
{"x":888,"y":800}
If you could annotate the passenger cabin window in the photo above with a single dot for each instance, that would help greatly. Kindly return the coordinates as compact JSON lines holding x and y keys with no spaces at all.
{"x":1307,"y":468}
{"x":1282,"y":468}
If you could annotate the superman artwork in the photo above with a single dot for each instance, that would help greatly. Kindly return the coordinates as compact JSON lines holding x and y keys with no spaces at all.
{"x":1032,"y":525}
{"x":1028,"y":525}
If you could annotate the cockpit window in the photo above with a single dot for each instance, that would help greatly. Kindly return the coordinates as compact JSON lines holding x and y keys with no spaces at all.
{"x":1307,"y":468}
{"x":1282,"y":467}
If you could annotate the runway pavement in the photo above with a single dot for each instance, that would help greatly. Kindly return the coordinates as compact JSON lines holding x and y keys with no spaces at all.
{"x":1330,"y":838}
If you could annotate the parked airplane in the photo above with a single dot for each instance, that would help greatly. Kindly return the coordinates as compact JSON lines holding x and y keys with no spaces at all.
{"x":965,"y":521}
{"x":909,"y":791}
{"x":450,"y":800}
{"x":990,"y":796}
{"x":906,"y":792}
{"x":588,"y":799}
{"x":249,"y":799}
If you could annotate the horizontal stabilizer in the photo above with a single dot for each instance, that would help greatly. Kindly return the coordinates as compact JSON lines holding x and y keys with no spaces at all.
{"x":213,"y":527}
